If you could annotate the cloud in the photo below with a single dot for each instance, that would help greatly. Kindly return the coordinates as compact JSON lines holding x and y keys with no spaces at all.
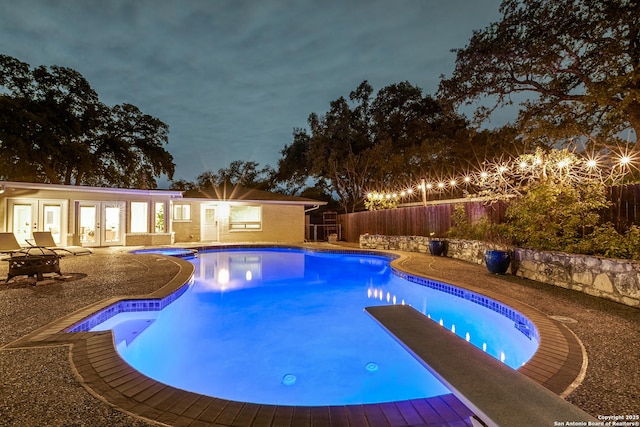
{"x":232,"y":78}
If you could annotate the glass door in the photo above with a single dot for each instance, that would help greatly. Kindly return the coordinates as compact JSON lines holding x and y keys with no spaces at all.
{"x":112,"y":218}
{"x":24,"y":221}
{"x":27,"y":216}
{"x":100,"y":223}
{"x":51,"y":220}
{"x":88,"y":224}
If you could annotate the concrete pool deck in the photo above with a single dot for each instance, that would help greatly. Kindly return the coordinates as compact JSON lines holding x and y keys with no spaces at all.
{"x":41,"y":387}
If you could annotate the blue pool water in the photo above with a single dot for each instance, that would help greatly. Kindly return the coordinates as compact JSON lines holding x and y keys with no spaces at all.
{"x":287,"y":327}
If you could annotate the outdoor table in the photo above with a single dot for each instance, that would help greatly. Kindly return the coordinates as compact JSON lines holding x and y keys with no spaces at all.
{"x":33,"y":261}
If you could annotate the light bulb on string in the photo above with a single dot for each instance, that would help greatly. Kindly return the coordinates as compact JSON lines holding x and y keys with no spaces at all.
{"x":504,"y":174}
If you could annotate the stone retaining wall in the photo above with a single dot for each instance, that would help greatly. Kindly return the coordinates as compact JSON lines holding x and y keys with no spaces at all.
{"x":617,"y":280}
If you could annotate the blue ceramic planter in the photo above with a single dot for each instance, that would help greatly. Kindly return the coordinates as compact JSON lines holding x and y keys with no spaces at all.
{"x":437,"y":247}
{"x":497,"y":261}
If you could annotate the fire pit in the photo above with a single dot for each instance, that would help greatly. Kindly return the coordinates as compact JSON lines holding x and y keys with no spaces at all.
{"x":33,"y":261}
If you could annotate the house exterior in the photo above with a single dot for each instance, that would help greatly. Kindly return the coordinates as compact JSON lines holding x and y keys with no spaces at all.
{"x":97,"y":217}
{"x":236,"y":214}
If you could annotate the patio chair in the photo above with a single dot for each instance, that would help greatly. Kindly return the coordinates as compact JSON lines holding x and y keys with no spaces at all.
{"x":8,"y":243}
{"x":45,"y":239}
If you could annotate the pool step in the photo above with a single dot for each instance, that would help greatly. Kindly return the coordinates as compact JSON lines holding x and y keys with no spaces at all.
{"x":129,"y":330}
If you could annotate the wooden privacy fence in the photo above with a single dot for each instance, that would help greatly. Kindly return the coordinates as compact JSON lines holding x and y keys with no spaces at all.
{"x":625,"y":206}
{"x":437,"y":218}
{"x":415,"y":220}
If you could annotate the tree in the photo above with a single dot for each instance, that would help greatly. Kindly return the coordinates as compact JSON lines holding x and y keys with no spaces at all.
{"x":243,"y":173}
{"x":129,"y":145}
{"x":365,"y":142}
{"x":337,"y":149}
{"x":293,"y":167}
{"x":415,"y":135}
{"x":568,"y":212}
{"x":182,"y":185}
{"x":55,"y":129}
{"x":578,"y":59}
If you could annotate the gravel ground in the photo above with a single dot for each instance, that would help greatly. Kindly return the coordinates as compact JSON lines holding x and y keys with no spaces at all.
{"x":39,"y":387}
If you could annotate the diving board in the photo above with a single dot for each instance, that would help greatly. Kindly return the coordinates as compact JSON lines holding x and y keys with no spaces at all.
{"x":497,"y":394}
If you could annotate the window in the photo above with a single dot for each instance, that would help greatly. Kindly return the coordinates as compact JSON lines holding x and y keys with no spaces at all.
{"x":209,"y":215}
{"x":245,"y":218}
{"x":159,"y":218}
{"x":139,"y":217}
{"x":181,"y":212}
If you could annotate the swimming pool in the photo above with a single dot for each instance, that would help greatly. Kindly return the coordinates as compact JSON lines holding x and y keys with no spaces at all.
{"x":284,"y":326}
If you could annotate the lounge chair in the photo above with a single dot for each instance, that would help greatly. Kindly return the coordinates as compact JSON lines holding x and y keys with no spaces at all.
{"x":45,"y":239}
{"x":8,"y":243}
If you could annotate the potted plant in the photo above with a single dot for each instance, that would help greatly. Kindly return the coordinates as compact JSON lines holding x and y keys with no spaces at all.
{"x":497,"y":260}
{"x":437,"y":247}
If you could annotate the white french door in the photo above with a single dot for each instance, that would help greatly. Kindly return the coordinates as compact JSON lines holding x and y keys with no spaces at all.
{"x":101,"y":223}
{"x":50,"y":219}
{"x":24,"y":221}
{"x":28,"y":216}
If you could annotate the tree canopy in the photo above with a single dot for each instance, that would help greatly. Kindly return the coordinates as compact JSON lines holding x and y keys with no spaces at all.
{"x":578,"y":60}
{"x":243,"y":173}
{"x":391,"y":139}
{"x":54,"y":129}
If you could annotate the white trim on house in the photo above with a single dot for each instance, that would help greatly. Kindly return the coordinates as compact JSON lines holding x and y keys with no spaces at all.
{"x":282,"y":218}
{"x":6,"y":185}
{"x":71,"y":223}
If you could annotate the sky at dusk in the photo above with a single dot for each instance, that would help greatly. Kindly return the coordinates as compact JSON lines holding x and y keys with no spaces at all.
{"x":233,"y":78}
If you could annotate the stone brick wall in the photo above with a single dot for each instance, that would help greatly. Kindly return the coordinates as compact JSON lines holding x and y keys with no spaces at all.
{"x":617,"y":280}
{"x":614,"y":279}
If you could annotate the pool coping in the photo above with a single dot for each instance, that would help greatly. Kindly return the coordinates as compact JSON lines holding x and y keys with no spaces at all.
{"x":558,"y":365}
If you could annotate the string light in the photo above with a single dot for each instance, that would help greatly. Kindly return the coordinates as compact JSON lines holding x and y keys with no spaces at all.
{"x":506,"y":176}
